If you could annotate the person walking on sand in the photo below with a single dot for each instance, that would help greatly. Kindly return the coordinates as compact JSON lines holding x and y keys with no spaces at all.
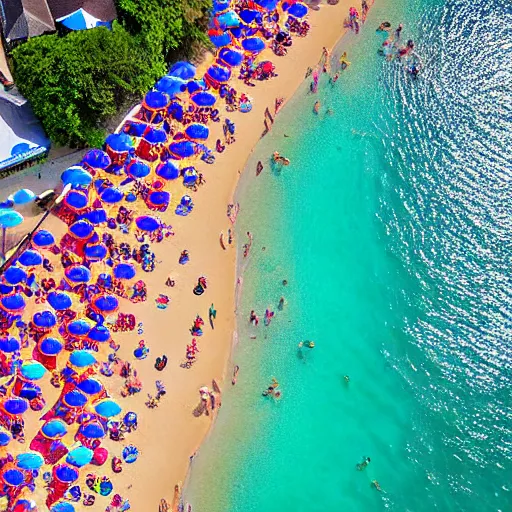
{"x":212,"y":315}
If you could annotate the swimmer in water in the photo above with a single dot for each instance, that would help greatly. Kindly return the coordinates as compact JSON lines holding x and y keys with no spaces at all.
{"x":236,"y":369}
{"x":281,"y":304}
{"x":376,"y":485}
{"x":346,"y":378}
{"x":278,"y":159}
{"x":362,"y":465}
{"x":344,"y":63}
{"x":316,"y":107}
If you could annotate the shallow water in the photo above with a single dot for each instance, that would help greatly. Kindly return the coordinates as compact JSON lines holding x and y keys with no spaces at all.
{"x":392,"y":227}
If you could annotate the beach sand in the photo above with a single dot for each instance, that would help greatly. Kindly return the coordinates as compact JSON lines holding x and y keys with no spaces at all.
{"x":168,"y":435}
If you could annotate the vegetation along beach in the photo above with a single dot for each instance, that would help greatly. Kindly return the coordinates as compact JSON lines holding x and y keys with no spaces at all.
{"x":280,"y":281}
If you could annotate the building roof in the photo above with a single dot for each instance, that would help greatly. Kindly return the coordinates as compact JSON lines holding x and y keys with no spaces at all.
{"x":103,"y":10}
{"x":22,"y":19}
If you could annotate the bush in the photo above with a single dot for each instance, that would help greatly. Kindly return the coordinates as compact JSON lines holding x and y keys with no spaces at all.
{"x":78,"y":81}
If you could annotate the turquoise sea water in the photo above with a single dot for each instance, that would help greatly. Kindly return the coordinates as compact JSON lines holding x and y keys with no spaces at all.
{"x":392,"y":226}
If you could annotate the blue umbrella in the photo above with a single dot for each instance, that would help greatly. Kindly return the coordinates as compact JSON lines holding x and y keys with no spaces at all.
{"x":29,"y":390}
{"x":9,"y":345}
{"x":90,"y":386}
{"x":54,"y":429}
{"x":170,"y":85}
{"x":80,"y":456}
{"x":112,"y":195}
{"x":159,"y":198}
{"x":10,"y":219}
{"x":99,"y":333}
{"x":63,"y":506}
{"x":119,"y":142}
{"x":43,"y":238}
{"x":59,"y":301}
{"x":30,"y":258}
{"x":197,"y":131}
{"x":218,"y":74}
{"x":74,"y":398}
{"x":106,"y":303}
{"x":231,"y":57}
{"x":156,"y":100}
{"x":183,"y":149}
{"x":220,"y":40}
{"x":183,"y":70}
{"x":269,"y":5}
{"x":124,"y":271}
{"x":13,"y":477}
{"x":189,"y":177}
{"x":15,"y":405}
{"x":156,"y":136}
{"x":130,"y":454}
{"x":196,"y":85}
{"x":66,"y":474}
{"x":29,"y":460}
{"x":137,"y":169}
{"x":147,"y":223}
{"x":80,"y":327}
{"x":15,"y":275}
{"x":23,"y":196}
{"x":96,"y":252}
{"x":76,"y":176}
{"x":253,"y":44}
{"x":175,"y":110}
{"x":78,"y":274}
{"x":50,"y":346}
{"x":97,"y":159}
{"x":44,"y":319}
{"x":107,"y":408}
{"x":12,"y":302}
{"x":130,"y":419}
{"x":97,"y":216}
{"x":5,"y":437}
{"x":203,"y":99}
{"x":135,"y":128}
{"x":82,"y":358}
{"x":298,"y":10}
{"x":249,"y":15}
{"x":228,"y":19}
{"x":92,"y":430}
{"x":81,"y":229}
{"x":32,"y":370}
{"x":221,"y":5}
{"x":167,"y":171}
{"x":76,"y":199}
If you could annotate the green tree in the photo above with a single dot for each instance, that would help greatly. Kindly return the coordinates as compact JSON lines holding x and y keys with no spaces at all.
{"x":76,"y":82}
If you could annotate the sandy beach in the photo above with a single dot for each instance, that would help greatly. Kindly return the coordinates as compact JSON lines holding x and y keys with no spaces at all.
{"x":170,"y":434}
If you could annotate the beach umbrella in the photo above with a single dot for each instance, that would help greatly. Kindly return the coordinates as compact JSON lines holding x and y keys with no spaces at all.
{"x":147,"y":223}
{"x":78,"y":274}
{"x":12,"y":303}
{"x":107,"y":408}
{"x":159,"y":198}
{"x":189,"y":177}
{"x":106,"y":303}
{"x":9,"y":219}
{"x":171,"y":85}
{"x":197,"y":131}
{"x":74,"y":398}
{"x":22,"y":196}
{"x":6,"y":289}
{"x":96,"y":252}
{"x":221,"y":5}
{"x":111,"y":195}
{"x":219,"y":38}
{"x":196,"y":85}
{"x":156,"y":136}
{"x":29,"y":461}
{"x":231,"y":57}
{"x":119,"y":142}
{"x":81,"y":229}
{"x":14,"y":275}
{"x":175,"y":110}
{"x":63,"y":506}
{"x":82,"y":358}
{"x":100,"y":456}
{"x":92,"y":430}
{"x":15,"y":405}
{"x":183,"y":70}
{"x":13,"y":477}
{"x":76,"y":199}
{"x":269,"y":5}
{"x":43,"y":238}
{"x":44,"y":319}
{"x":50,"y":346}
{"x":298,"y":10}
{"x":29,"y":390}
{"x":80,"y":456}
{"x":65,"y":474}
{"x":228,"y":19}
{"x":90,"y":386}
{"x":130,"y":419}
{"x":97,"y":159}
{"x":9,"y":345}
{"x":156,"y":100}
{"x":167,"y":171}
{"x":32,"y":370}
{"x":59,"y":300}
{"x":182,"y":149}
{"x":137,"y":169}
{"x":54,"y":429}
{"x":218,"y":74}
{"x":203,"y":99}
{"x":79,"y":328}
{"x":30,"y":258}
{"x":253,"y":44}
{"x":130,"y":454}
{"x":96,"y":216}
{"x":124,"y":271}
{"x":99,"y":333}
{"x":249,"y":15}
{"x":135,"y":128}
{"x":76,"y":176}
{"x":25,"y":506}
{"x":5,"y":436}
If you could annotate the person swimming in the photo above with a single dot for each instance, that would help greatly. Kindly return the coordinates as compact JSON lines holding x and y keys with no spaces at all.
{"x":281,"y":304}
{"x":278,"y":159}
{"x":344,"y":63}
{"x":316,"y":107}
{"x":362,"y":465}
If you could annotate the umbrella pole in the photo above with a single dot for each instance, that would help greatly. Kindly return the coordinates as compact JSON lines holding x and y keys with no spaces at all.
{"x":3,"y":242}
